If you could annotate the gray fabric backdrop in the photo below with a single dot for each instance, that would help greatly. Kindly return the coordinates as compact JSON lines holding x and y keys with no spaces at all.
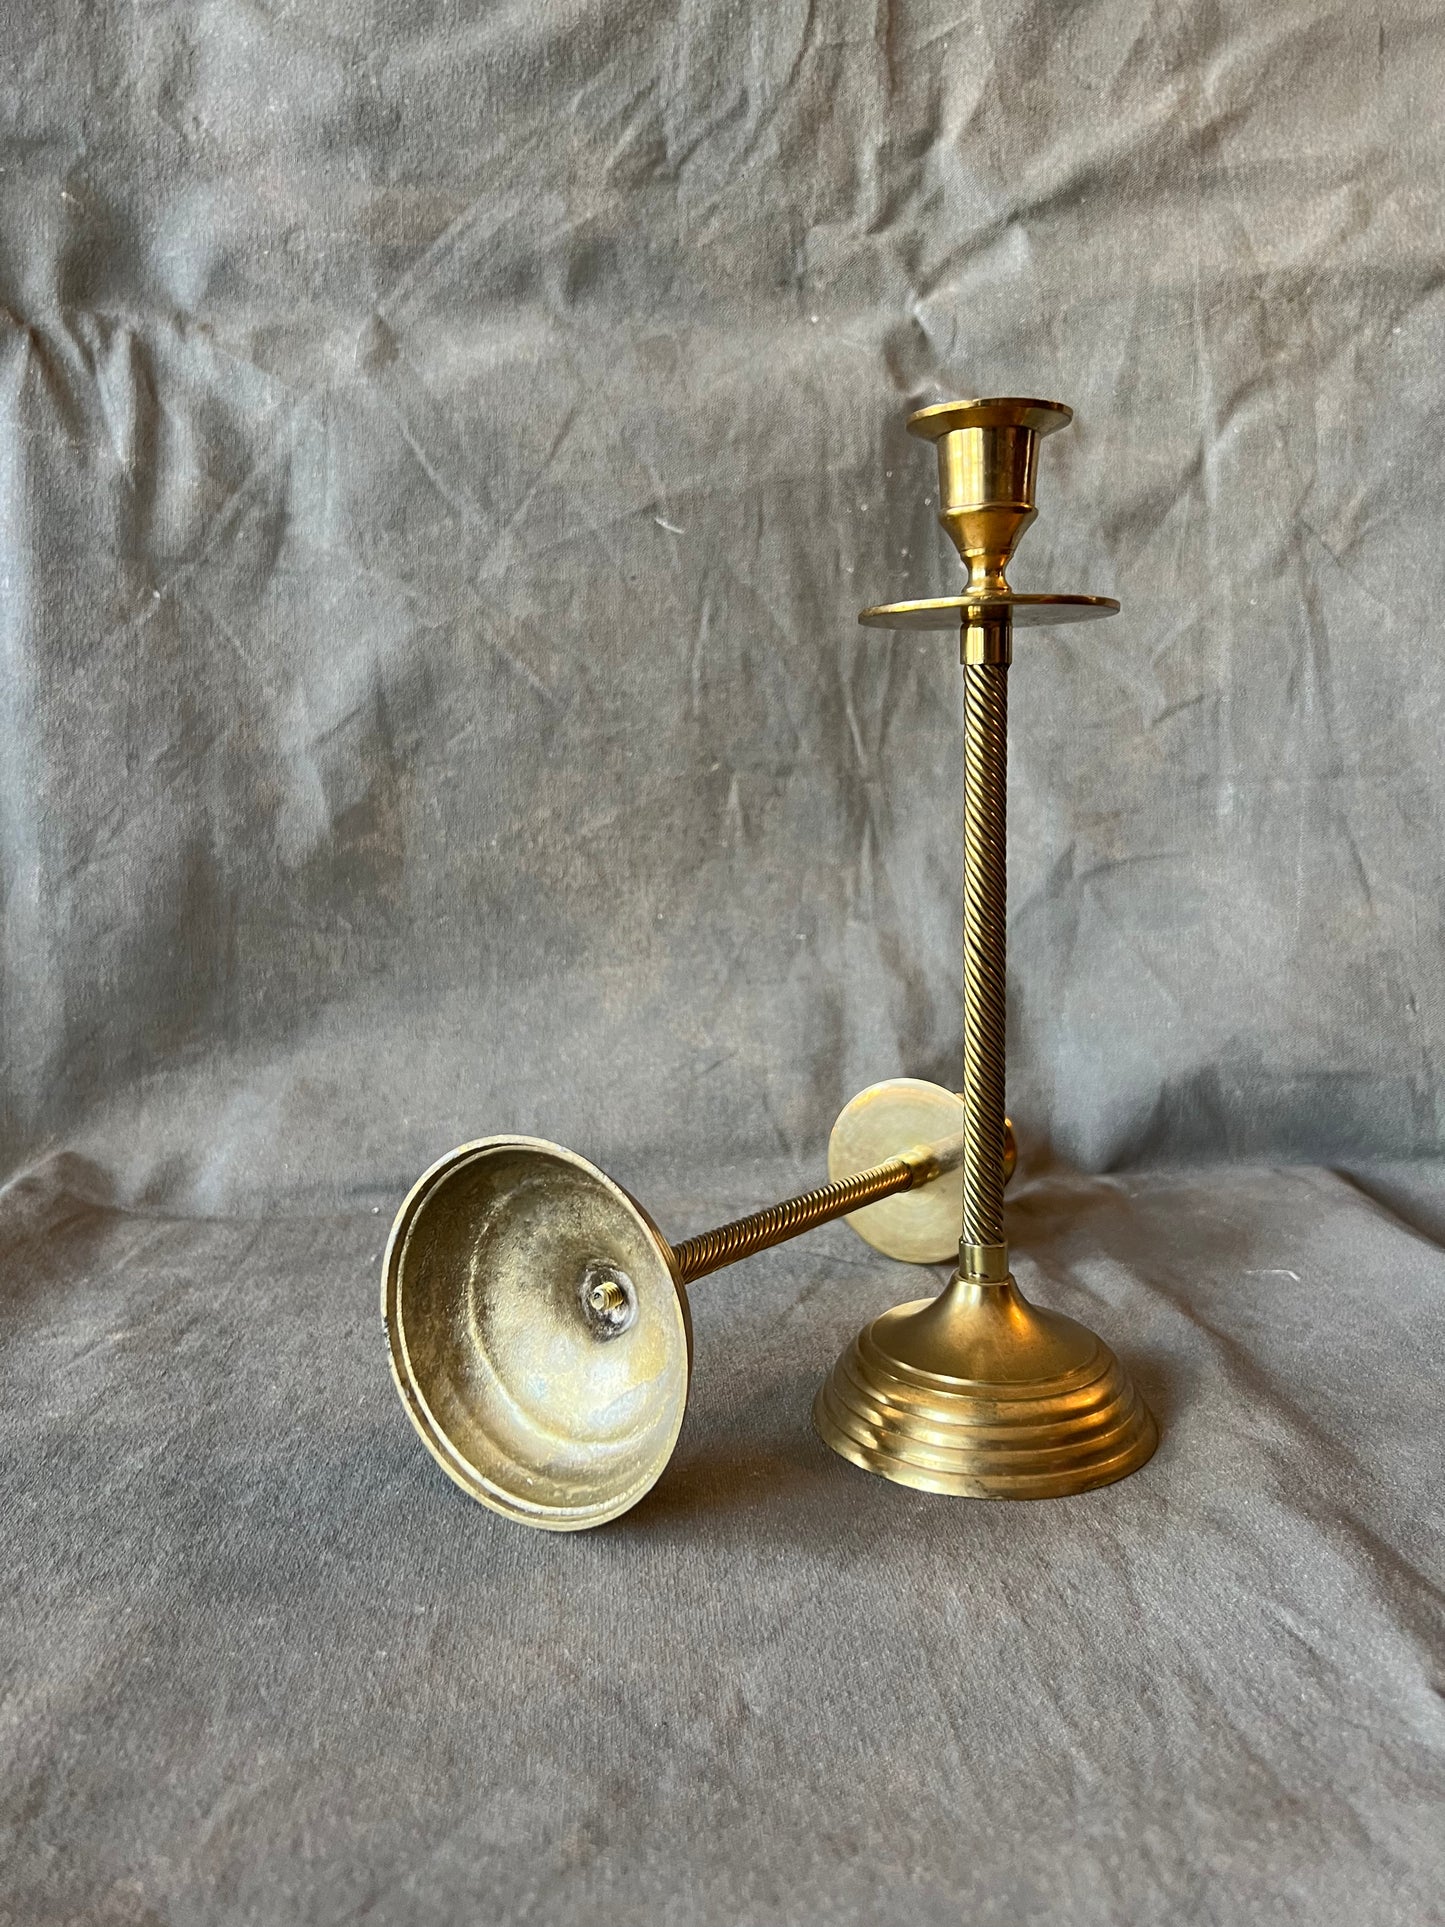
{"x":444,"y":452}
{"x":443,"y":449}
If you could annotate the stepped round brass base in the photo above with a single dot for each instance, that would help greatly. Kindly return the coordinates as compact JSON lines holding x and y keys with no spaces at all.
{"x":981,"y":1394}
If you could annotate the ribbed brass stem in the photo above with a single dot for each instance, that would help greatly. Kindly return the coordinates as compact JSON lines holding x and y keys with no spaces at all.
{"x":711,"y":1250}
{"x":985,"y":904}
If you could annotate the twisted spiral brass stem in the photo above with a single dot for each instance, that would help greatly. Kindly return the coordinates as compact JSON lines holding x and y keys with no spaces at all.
{"x":985,"y":904}
{"x":711,"y":1250}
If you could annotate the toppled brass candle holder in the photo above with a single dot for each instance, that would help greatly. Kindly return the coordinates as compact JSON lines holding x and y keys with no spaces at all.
{"x":977,"y":1392}
{"x":538,"y":1320}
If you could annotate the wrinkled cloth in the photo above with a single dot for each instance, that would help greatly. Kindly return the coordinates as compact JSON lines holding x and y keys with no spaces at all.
{"x":443,"y":451}
{"x":442,"y":456}
{"x":264,"y":1662}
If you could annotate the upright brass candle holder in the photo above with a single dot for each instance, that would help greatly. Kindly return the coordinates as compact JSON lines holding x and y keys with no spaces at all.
{"x":978,"y":1392}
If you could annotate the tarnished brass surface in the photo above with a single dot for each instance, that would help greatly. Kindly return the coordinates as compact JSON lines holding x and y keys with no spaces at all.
{"x":539,"y":1341}
{"x":537,"y":1318}
{"x":978,"y":1392}
{"x":538,"y":1322}
{"x":711,"y":1250}
{"x":921,"y":1226}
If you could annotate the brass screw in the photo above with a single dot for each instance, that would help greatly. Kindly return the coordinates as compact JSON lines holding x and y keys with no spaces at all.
{"x":711,"y":1250}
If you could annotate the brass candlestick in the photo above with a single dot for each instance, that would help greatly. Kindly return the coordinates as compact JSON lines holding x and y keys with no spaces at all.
{"x":978,"y":1392}
{"x":538,"y":1322}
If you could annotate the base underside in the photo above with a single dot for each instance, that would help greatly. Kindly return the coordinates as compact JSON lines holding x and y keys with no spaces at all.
{"x":1003,"y":1435}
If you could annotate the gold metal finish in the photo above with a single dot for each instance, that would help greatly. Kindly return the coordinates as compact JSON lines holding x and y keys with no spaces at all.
{"x":921,"y":1226}
{"x":538,"y":1340}
{"x":981,"y":1394}
{"x":978,"y":1392}
{"x":1027,"y":611}
{"x":985,"y":891}
{"x":538,"y":1321}
{"x":696,"y":1257}
{"x":988,"y":459}
{"x":988,"y":454}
